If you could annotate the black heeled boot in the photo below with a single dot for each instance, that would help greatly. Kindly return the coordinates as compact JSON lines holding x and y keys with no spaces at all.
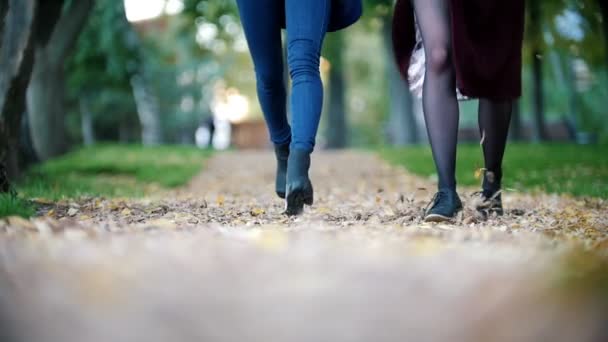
{"x":299,"y":187}
{"x":282,"y":154}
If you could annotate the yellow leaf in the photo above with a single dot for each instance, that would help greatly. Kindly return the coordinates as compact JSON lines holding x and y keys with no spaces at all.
{"x":479,"y":173}
{"x":51,"y":212}
{"x":220,"y":200}
{"x":126,"y":212}
{"x":40,"y":200}
{"x":257,"y":212}
{"x":324,"y":210}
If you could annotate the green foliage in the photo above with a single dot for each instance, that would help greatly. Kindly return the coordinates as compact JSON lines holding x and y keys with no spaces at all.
{"x":113,"y":170}
{"x":100,"y":70}
{"x":11,"y":205}
{"x":553,"y":168}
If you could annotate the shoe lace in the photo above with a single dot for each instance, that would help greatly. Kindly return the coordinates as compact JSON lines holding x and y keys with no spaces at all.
{"x":488,"y":201}
{"x":434,"y":201}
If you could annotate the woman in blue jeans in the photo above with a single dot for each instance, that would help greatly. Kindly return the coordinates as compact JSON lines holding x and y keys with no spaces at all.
{"x":306,"y":22}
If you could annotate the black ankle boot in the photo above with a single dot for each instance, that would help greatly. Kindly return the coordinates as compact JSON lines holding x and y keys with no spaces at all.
{"x":491,"y":197}
{"x":299,"y":187}
{"x":444,"y":206}
{"x":282,"y":154}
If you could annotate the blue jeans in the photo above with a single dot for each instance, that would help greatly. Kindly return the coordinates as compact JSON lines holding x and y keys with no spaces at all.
{"x":307,"y":22}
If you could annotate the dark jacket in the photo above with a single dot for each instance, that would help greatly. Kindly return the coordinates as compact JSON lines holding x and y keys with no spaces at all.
{"x":343,"y":14}
{"x":487,"y":38}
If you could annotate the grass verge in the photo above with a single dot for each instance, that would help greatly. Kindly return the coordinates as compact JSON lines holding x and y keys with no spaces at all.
{"x":105,"y":170}
{"x":552,"y":168}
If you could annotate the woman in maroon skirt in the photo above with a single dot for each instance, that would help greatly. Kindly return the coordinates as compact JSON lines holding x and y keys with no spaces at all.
{"x":475,"y":46}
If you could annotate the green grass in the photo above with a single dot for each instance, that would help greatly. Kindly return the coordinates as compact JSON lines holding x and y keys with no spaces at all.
{"x":113,"y":170}
{"x":11,"y":205}
{"x":105,"y":170}
{"x":552,"y":168}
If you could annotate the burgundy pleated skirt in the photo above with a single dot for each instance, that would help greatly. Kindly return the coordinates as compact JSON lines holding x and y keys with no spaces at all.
{"x":487,"y":38}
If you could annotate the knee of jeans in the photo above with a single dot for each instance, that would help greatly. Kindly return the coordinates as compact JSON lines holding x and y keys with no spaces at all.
{"x":438,"y":58}
{"x":269,"y":82}
{"x":303,"y":60}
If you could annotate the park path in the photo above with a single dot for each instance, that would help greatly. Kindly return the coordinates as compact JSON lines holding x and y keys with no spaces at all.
{"x":217,"y":261}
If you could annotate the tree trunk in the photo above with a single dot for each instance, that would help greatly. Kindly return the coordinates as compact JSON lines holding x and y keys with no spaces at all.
{"x":86,"y":123}
{"x":46,"y":107}
{"x":537,"y":70}
{"x":16,"y":60}
{"x":46,"y":93}
{"x":27,"y":154}
{"x":604,"y":10}
{"x":403,"y":128}
{"x":336,"y":116}
{"x":517,"y":130}
{"x":148,"y":112}
{"x":3,"y":12}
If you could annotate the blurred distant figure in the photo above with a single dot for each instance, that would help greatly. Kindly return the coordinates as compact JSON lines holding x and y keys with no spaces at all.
{"x":474,"y":46}
{"x":204,"y":134}
{"x":306,"y":22}
{"x":214,"y":133}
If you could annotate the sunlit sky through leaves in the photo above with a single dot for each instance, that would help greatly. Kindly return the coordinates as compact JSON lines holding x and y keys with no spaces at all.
{"x":138,"y":10}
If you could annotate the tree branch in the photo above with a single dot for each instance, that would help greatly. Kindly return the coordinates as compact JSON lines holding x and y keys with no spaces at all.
{"x":66,"y":32}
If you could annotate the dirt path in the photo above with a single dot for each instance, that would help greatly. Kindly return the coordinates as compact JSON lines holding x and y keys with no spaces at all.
{"x":217,"y":261}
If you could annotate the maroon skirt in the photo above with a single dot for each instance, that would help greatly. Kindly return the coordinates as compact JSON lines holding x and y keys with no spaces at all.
{"x":487,"y":38}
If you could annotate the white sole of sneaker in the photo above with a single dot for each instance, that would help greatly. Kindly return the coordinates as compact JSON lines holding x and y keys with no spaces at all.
{"x":437,"y":218}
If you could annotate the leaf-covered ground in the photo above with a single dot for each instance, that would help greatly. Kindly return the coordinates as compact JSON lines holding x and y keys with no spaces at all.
{"x":217,"y":261}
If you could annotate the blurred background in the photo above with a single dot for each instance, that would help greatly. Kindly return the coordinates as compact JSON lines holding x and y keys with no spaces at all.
{"x":154,"y":72}
{"x":161,"y":71}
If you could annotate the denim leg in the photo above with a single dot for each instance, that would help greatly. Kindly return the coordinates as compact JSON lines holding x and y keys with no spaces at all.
{"x":307,"y":22}
{"x":261,"y":22}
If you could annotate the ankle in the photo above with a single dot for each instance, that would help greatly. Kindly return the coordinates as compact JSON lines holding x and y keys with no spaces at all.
{"x":299,"y":164}
{"x":492,"y":181}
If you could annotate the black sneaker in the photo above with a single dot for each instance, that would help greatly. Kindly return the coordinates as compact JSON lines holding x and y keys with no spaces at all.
{"x":299,"y":188}
{"x":489,"y":203}
{"x":444,"y":206}
{"x":490,"y":197}
{"x":282,"y":154}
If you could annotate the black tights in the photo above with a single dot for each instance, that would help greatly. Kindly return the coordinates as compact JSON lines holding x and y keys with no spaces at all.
{"x":440,"y":105}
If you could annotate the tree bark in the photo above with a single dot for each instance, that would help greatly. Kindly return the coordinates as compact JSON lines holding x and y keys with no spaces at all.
{"x":336,"y":116}
{"x":516,"y":131}
{"x":86,"y":123}
{"x":537,"y":70}
{"x":604,"y":11}
{"x":403,"y":128}
{"x":148,"y":112}
{"x":3,"y":12}
{"x":46,"y":93}
{"x":16,"y":60}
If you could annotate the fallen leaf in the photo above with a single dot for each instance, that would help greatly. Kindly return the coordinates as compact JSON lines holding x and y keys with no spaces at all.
{"x":72,"y":212}
{"x":39,"y":200}
{"x":220,"y":200}
{"x":258,"y":212}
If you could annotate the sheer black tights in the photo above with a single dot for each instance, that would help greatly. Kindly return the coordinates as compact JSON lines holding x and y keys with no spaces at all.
{"x":439,"y":98}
